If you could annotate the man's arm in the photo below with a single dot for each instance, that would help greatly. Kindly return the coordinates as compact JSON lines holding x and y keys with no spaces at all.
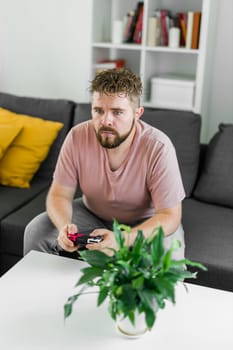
{"x":59,"y":209}
{"x":169,"y":219}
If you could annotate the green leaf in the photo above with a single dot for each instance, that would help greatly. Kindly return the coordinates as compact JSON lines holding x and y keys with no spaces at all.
{"x":138,"y":282}
{"x":131,"y":317}
{"x":160,"y":300}
{"x":103,"y":293}
{"x":150,"y":318}
{"x":174,"y":275}
{"x":166,"y":288}
{"x":67,"y":310}
{"x":138,"y":244}
{"x":118,"y":234}
{"x":157,"y":249}
{"x":147,"y":297}
{"x":89,"y":273}
{"x":175,"y":244}
{"x":122,"y":255}
{"x":167,"y":260}
{"x":70,"y":301}
{"x":128,"y":299}
{"x":124,"y":227}
{"x":124,"y":264}
{"x":188,"y":274}
{"x":195,"y":264}
{"x":190,"y":263}
{"x":118,"y":291}
{"x":95,"y":258}
{"x":112,"y":308}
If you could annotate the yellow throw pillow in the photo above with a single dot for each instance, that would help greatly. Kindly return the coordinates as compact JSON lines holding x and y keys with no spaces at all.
{"x":7,"y":136}
{"x":30,"y":147}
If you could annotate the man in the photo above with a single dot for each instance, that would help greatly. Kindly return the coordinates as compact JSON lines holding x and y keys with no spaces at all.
{"x":125,"y":168}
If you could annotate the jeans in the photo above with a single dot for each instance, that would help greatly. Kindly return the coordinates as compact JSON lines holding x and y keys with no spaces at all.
{"x":41,"y":235}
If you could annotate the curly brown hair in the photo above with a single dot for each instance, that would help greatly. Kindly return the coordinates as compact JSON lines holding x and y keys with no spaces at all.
{"x":118,"y":81}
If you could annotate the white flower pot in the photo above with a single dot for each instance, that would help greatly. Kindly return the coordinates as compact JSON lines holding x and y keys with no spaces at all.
{"x":126,"y":328}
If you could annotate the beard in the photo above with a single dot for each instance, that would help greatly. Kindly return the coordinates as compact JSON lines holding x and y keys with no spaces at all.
{"x":115,"y":139}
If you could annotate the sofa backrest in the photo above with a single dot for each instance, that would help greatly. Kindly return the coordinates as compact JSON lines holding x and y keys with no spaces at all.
{"x":183,"y":128}
{"x":82,"y":113}
{"x":50,"y":109}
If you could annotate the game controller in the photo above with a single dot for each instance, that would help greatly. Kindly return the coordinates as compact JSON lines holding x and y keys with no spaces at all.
{"x":82,"y":239}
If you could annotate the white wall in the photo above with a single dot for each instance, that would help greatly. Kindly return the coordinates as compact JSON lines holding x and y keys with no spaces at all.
{"x":45,"y":52}
{"x":45,"y":48}
{"x":220,"y":104}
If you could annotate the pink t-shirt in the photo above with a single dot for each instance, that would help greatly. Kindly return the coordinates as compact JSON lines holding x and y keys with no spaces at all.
{"x":148,"y":179}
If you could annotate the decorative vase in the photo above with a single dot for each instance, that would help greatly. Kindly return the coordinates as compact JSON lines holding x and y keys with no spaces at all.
{"x":126,"y":328}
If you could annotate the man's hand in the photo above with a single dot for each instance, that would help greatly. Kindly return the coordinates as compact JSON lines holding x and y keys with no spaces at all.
{"x":63,"y":241}
{"x":108,"y":241}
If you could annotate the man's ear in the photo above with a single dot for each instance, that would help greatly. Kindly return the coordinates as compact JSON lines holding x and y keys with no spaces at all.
{"x":139,"y":112}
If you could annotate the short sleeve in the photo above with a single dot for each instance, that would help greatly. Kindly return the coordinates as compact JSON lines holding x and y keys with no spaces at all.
{"x":164,"y":180}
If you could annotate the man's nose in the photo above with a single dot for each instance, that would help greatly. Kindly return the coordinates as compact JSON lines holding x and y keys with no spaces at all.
{"x":107,"y":119}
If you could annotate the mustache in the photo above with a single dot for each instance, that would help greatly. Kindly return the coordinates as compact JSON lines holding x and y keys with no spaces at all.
{"x":106,"y":128}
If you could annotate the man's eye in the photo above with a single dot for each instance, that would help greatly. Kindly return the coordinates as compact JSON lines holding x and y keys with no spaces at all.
{"x":117,"y":113}
{"x":99,"y":111}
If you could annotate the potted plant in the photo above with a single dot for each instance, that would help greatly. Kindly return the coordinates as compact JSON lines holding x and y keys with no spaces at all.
{"x":137,"y":280}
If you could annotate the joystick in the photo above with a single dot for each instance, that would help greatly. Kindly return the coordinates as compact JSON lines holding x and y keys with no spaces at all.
{"x":82,"y":239}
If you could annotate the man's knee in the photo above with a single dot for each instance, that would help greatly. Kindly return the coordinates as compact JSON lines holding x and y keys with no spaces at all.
{"x":39,"y":234}
{"x":30,"y":236}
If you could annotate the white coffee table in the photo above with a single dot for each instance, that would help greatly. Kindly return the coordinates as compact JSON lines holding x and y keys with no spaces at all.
{"x":33,"y":292}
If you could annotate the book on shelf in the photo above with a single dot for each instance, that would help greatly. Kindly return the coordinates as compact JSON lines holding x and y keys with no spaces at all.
{"x":133,"y":28}
{"x":154,"y":31}
{"x":159,"y":25}
{"x":196,"y":30}
{"x":164,"y":26}
{"x":108,"y":64}
{"x":137,"y":36}
{"x":183,"y":27}
{"x":128,"y":25}
{"x":189,"y":30}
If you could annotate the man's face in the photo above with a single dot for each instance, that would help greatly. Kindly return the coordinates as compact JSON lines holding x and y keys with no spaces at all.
{"x":113,"y":118}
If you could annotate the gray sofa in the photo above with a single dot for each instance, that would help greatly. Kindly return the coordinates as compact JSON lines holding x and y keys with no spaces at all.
{"x":207,"y":216}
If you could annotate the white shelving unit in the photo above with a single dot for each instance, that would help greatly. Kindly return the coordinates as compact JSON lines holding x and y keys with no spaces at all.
{"x":153,"y":61}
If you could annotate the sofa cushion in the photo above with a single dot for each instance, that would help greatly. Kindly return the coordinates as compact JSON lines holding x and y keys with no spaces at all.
{"x":7,"y":135}
{"x":215,"y":184}
{"x":13,"y":198}
{"x":15,"y":224}
{"x":50,"y":109}
{"x":7,"y":261}
{"x":183,"y":128}
{"x":209,"y":239}
{"x":27,"y":151}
